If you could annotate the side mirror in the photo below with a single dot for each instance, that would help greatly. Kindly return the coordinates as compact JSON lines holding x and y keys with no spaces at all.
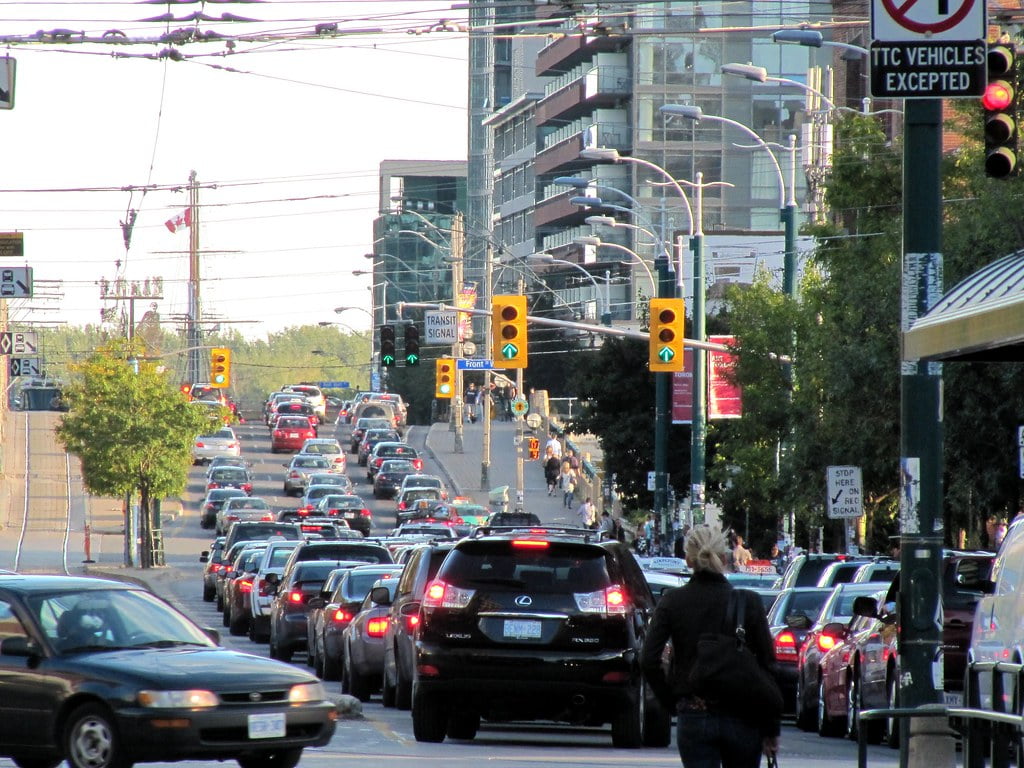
{"x":865,"y":606}
{"x":316,"y":602}
{"x":380,"y":596}
{"x":20,"y":645}
{"x":204,"y":556}
{"x":834,"y":629}
{"x":212,"y":633}
{"x":409,"y":609}
{"x":273,"y":579}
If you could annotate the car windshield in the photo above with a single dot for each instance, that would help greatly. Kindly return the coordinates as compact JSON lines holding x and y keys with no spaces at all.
{"x":88,"y":620}
{"x":806,"y":603}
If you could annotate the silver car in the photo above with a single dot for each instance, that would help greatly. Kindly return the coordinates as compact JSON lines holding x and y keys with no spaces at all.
{"x":243,"y":509}
{"x":299,"y":469}
{"x":223,"y":442}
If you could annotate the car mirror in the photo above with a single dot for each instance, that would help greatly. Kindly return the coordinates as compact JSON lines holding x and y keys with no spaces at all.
{"x":865,"y":606}
{"x":212,"y":633}
{"x":273,"y":579}
{"x":204,"y":557}
{"x":798,"y":621}
{"x":985,"y":586}
{"x":315,"y":602}
{"x":380,"y":596}
{"x":409,"y":609}
{"x":19,"y":646}
{"x":834,"y":629}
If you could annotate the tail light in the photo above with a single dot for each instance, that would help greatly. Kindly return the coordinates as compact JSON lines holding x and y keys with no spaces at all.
{"x":215,"y":567}
{"x":245,"y":586}
{"x":247,"y":487}
{"x":232,"y":518}
{"x":785,"y":646}
{"x":294,"y":474}
{"x":401,"y":505}
{"x":440,"y":594}
{"x":295,"y":596}
{"x":341,"y":616}
{"x":378,"y":462}
{"x":611,"y":600}
{"x":376,"y":627}
{"x":232,"y":445}
{"x":411,"y":622}
{"x":530,"y":544}
{"x":267,"y":518}
{"x":200,"y":445}
{"x":826,"y":642}
{"x":418,"y":463}
{"x":212,"y":485}
{"x":364,"y":513}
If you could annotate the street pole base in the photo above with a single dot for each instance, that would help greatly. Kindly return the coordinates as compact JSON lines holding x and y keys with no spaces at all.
{"x":485,"y":477}
{"x":931,"y":743}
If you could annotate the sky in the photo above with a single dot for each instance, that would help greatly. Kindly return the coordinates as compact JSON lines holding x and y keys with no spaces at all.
{"x":285,"y":131}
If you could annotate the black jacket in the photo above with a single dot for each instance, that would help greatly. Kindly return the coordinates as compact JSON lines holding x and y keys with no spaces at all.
{"x":686,"y":613}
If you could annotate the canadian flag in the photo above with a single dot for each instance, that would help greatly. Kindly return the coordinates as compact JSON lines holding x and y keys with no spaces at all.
{"x":183,"y":219}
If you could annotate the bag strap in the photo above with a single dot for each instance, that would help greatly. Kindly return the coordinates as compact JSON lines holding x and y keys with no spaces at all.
{"x":738,"y":601}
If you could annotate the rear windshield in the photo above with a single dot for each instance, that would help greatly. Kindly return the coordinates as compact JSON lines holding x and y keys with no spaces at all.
{"x":279,"y":557}
{"x":358,"y":584}
{"x":558,"y":567}
{"x":319,"y":493}
{"x":842,"y":608}
{"x":290,"y":422}
{"x":810,"y":571}
{"x":806,"y":603}
{"x":322,"y":448}
{"x":344,"y":502}
{"x":314,"y":462}
{"x":362,"y":553}
{"x":219,"y":494}
{"x":248,"y":503}
{"x":228,"y":474}
{"x":264,"y":531}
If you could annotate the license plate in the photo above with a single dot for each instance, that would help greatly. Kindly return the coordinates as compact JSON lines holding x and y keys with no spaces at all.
{"x":952,"y":698}
{"x":268,"y":726}
{"x":350,"y":515}
{"x":293,"y":434}
{"x":520,"y":628}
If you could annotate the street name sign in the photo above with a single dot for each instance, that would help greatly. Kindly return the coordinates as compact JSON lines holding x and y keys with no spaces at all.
{"x":15,"y":282}
{"x":332,"y":384}
{"x":18,"y":343}
{"x":441,"y":327}
{"x":464,"y":364}
{"x":928,"y":49}
{"x":845,"y":493}
{"x":23,"y":366}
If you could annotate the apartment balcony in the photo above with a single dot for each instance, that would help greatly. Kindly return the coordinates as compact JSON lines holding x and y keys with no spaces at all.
{"x":572,"y":49}
{"x":594,"y":88}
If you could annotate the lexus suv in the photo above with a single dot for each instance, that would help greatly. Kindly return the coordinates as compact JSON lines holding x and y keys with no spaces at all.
{"x":535,"y":624}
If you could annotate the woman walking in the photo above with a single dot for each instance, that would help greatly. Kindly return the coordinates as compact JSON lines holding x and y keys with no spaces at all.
{"x":567,"y":482}
{"x":711,"y":733}
{"x":552,"y":468}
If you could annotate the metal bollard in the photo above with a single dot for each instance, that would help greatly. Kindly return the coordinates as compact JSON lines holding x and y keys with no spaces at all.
{"x":932,"y":743}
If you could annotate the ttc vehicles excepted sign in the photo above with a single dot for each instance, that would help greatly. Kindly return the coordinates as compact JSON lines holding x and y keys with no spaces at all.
{"x":928,"y":48}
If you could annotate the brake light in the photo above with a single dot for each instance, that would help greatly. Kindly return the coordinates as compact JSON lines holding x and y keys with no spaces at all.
{"x":295,"y":596}
{"x":378,"y":462}
{"x":611,"y":601}
{"x":200,"y":445}
{"x":530,"y":544}
{"x":376,"y":627}
{"x":785,"y":646}
{"x":232,"y":445}
{"x":245,"y":586}
{"x":211,"y":486}
{"x":267,"y":518}
{"x":341,"y":616}
{"x":247,"y":487}
{"x":411,"y":622}
{"x":364,"y":513}
{"x":278,"y":433}
{"x":294,"y":474}
{"x":440,"y":594}
{"x":401,"y":505}
{"x":418,"y":463}
{"x":215,"y":567}
{"x":826,"y":642}
{"x":232,"y":518}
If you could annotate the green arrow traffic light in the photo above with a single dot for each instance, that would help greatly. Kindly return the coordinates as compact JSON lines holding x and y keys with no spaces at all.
{"x":509,"y":351}
{"x":412,"y":359}
{"x":665,"y":354}
{"x":387,"y":359}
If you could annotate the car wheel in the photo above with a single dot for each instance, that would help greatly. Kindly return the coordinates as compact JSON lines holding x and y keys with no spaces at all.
{"x":332,"y":669}
{"x":276,"y":758}
{"x":35,"y":762}
{"x":657,"y":725}
{"x":826,"y":725}
{"x":627,"y":723}
{"x":429,"y":718}
{"x":91,"y":739}
{"x":852,"y":706}
{"x":208,"y":593}
{"x":360,"y":686}
{"x":238,"y":625}
{"x":463,"y":725}
{"x":891,"y":726}
{"x":403,"y":690}
{"x":226,"y":616}
{"x":804,"y":716}
{"x":387,"y":696}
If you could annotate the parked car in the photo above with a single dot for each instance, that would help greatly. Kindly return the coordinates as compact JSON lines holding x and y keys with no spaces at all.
{"x":223,"y":442}
{"x":213,"y":502}
{"x":94,"y":671}
{"x":512,"y":601}
{"x":329,"y":448}
{"x":363,"y":640}
{"x":290,"y":432}
{"x":298,"y":470}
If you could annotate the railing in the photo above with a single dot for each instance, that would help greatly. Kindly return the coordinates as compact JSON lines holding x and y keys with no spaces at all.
{"x":994,"y":731}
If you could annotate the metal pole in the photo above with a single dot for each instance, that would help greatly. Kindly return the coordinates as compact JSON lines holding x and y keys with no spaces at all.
{"x":698,"y":423}
{"x":607,"y":317}
{"x":662,"y":406}
{"x":920,"y":410}
{"x":788,"y":215}
{"x":520,"y":478}
{"x":485,"y":302}
{"x":457,"y":401}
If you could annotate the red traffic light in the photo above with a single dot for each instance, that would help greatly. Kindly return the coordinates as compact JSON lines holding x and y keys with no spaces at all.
{"x":998,"y":96}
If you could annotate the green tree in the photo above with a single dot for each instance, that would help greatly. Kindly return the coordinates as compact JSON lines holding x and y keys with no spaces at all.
{"x":133,"y":431}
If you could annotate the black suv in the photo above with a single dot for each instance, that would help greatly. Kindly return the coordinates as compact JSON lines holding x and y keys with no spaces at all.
{"x":535,"y":624}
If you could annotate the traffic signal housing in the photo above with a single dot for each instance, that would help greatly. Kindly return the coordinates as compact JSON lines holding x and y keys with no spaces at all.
{"x":412,"y":345}
{"x":508,"y":331}
{"x":220,"y":367}
{"x":387,"y":346}
{"x":1001,"y":119}
{"x":665,"y":347}
{"x":444,"y":378}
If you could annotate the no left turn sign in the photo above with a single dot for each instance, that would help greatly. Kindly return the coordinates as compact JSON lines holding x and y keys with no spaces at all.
{"x":927,"y":20}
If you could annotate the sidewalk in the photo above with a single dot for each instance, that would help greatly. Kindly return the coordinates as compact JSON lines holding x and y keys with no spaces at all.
{"x":463,"y":469}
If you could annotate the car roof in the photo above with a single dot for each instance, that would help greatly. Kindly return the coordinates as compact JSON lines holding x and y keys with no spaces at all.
{"x":27,"y":583}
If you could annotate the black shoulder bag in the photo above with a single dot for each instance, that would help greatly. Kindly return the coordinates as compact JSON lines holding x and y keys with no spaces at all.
{"x":727,"y":672}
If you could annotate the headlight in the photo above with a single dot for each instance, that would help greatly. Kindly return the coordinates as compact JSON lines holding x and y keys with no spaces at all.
{"x":300,"y":694}
{"x":178,"y":699}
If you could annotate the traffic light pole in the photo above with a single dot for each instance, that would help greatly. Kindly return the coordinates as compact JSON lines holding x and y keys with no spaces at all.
{"x":921,"y":522}
{"x":662,"y":411}
{"x":698,"y":423}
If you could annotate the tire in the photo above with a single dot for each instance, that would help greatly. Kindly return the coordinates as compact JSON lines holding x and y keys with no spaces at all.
{"x":208,"y":593}
{"x":804,"y":716}
{"x":238,"y":625}
{"x":331,"y":667}
{"x":225,"y":616}
{"x":429,"y":718}
{"x":36,"y":762}
{"x":872,"y":728}
{"x":657,"y":725}
{"x":891,"y":726}
{"x":276,"y":758}
{"x":826,"y":725}
{"x":628,"y":722}
{"x":360,"y":686}
{"x":403,"y":691}
{"x":91,"y":739}
{"x":463,"y":725}
{"x":852,"y":706}
{"x":387,"y":696}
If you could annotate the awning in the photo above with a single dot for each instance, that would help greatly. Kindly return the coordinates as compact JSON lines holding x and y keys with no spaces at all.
{"x":982,"y":318}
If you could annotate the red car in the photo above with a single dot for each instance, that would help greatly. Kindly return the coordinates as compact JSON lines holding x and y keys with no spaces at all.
{"x":290,"y":432}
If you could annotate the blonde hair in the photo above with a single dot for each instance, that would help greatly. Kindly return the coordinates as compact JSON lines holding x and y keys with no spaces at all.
{"x":706,"y":549}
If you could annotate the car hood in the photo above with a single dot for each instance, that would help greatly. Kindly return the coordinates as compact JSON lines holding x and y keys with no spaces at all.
{"x":220,"y":669}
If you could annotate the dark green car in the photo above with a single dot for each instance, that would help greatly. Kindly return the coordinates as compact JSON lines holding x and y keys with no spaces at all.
{"x":105,"y":674}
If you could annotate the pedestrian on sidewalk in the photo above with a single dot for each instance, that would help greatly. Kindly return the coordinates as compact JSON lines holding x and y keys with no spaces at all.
{"x":552,"y":468}
{"x":554,"y":446}
{"x":470,"y":399}
{"x":607,"y":525}
{"x":572,"y":458}
{"x":567,"y":482}
{"x":587,"y":514}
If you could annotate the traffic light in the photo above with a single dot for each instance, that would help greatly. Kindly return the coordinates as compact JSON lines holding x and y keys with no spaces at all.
{"x":1000,"y":103}
{"x":665,"y":347}
{"x":444,"y":378}
{"x":508,"y":331}
{"x":387,"y":345}
{"x":220,"y":367}
{"x":412,"y":345}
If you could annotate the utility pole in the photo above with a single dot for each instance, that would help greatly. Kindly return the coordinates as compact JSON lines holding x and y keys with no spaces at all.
{"x":485,"y":303}
{"x":457,"y":253}
{"x":194,"y":307}
{"x":698,"y":423}
{"x":520,"y":475}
